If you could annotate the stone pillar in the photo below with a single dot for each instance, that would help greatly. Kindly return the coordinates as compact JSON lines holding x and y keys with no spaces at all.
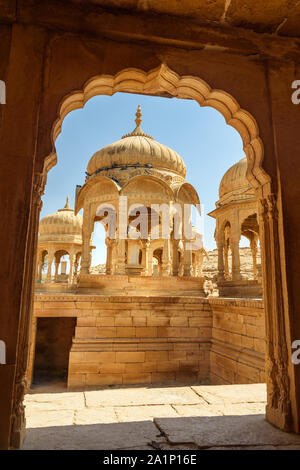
{"x":39,"y":267}
{"x":187,"y":261}
{"x":194,"y":264}
{"x":25,"y":328}
{"x":150,"y":262}
{"x":109,"y":245}
{"x":166,"y":258}
{"x":86,"y":248}
{"x":71,"y":273}
{"x":220,"y":246}
{"x":145,"y":256}
{"x":235,"y":251}
{"x":226,"y":262}
{"x":175,"y":258}
{"x":121,"y":254}
{"x":29,"y":372}
{"x":253,"y":247}
{"x":57,"y":261}
{"x":50,"y":261}
{"x":278,"y":362}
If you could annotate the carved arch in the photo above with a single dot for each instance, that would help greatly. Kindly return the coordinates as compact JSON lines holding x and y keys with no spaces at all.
{"x":187,"y":194}
{"x":95,"y":185}
{"x":164,"y":80}
{"x":147,"y":181}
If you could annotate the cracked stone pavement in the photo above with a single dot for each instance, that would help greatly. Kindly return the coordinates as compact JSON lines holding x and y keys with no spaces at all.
{"x":152,"y":417}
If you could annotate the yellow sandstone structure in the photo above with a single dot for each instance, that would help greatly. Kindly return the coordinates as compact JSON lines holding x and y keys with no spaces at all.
{"x":236,"y":214}
{"x":147,"y":318}
{"x":60,"y":234}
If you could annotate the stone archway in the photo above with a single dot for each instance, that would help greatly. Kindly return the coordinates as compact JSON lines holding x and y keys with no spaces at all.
{"x":164,"y":81}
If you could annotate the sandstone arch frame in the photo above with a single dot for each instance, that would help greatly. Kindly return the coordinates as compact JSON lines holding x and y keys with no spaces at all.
{"x":161,"y":81}
{"x":277,"y":307}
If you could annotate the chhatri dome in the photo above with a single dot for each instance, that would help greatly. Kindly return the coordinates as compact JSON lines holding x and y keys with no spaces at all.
{"x":60,"y":234}
{"x":235,"y":182}
{"x":137,"y":148}
{"x":64,"y":221}
{"x":143,"y":172}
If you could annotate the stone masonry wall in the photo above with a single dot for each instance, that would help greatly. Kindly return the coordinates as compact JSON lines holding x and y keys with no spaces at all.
{"x":238,"y":341}
{"x":130,"y":340}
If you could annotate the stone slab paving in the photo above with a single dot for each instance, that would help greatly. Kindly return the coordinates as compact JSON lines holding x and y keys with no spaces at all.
{"x":218,"y":431}
{"x":154,"y":417}
{"x":254,"y":393}
{"x":138,"y":396}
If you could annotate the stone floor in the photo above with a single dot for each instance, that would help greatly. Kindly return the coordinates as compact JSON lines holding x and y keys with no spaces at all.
{"x":154,"y":417}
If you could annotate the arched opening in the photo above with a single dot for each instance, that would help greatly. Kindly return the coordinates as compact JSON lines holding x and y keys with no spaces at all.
{"x":99,"y":251}
{"x":189,"y":88}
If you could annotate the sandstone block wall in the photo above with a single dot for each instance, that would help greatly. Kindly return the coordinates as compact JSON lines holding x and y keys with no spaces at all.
{"x":128,"y":340}
{"x":139,"y":340}
{"x":238,"y":341}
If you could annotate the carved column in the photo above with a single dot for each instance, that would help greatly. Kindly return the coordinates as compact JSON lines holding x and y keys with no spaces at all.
{"x":175,"y":260}
{"x":253,"y":247}
{"x":109,"y":245}
{"x":145,"y":256}
{"x":235,"y":251}
{"x":39,"y":268}
{"x":57,"y":260}
{"x":29,"y":372}
{"x":278,"y":410}
{"x":166,"y":258}
{"x":71,"y":272}
{"x":121,"y":254}
{"x":18,"y":422}
{"x":86,"y":239}
{"x":50,"y":261}
{"x":220,"y":246}
{"x":187,"y":260}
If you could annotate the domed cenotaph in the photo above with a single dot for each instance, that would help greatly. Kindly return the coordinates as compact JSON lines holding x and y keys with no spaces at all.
{"x":236,"y":215}
{"x":136,"y":188}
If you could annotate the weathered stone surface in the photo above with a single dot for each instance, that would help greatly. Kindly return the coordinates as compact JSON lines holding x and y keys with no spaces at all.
{"x":95,"y":416}
{"x":55,"y":401}
{"x":215,"y":394}
{"x":92,"y":436}
{"x":197,"y":410}
{"x":119,"y":412}
{"x":143,"y":413}
{"x":224,"y":431}
{"x":40,"y":418}
{"x":141,"y":396}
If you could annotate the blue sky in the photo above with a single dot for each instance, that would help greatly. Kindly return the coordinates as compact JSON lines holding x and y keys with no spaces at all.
{"x":200,"y":135}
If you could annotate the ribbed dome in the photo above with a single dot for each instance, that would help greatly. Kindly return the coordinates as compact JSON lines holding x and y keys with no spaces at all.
{"x":235,"y":179}
{"x":64,"y":221}
{"x":134,"y":148}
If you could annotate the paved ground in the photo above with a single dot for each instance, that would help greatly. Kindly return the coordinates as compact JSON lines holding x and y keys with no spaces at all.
{"x":155,"y":417}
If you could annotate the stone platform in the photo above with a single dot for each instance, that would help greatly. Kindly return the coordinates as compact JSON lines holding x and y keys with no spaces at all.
{"x":151,"y":418}
{"x":139,"y":285}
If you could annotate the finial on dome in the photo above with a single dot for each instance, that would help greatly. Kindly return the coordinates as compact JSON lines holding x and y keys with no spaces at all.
{"x":138,"y":114}
{"x":138,"y":131}
{"x":66,"y":206}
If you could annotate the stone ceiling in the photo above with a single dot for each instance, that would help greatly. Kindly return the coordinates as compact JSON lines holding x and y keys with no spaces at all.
{"x":280,"y":17}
